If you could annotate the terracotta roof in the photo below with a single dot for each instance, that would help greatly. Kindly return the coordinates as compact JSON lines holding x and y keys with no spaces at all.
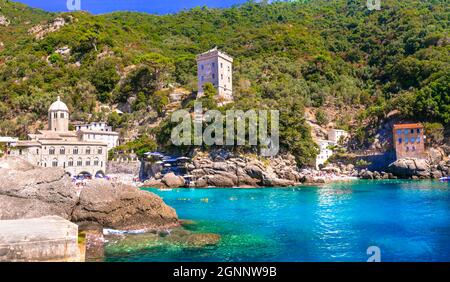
{"x":408,"y":126}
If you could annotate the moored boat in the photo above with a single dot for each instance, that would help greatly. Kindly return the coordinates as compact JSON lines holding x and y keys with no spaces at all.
{"x":445,"y":179}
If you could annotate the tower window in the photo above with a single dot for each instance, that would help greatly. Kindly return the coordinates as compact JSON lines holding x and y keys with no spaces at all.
{"x":61,"y":115}
{"x":221,"y":65}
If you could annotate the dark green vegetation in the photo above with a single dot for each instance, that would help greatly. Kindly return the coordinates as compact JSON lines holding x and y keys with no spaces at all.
{"x":324,"y":54}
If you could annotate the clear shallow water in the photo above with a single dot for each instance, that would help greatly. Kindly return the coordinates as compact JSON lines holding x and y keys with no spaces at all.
{"x":408,"y":221}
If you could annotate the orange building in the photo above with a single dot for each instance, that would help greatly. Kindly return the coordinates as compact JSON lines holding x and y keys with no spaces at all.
{"x":409,"y":140}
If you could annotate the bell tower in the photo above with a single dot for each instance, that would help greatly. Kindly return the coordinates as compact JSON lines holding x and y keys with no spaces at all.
{"x":58,"y":117}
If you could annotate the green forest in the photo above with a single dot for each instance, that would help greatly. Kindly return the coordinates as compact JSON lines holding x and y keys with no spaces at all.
{"x":287,"y":55}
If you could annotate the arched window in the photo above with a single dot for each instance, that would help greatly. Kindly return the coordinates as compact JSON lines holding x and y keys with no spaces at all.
{"x":80,"y":162}
{"x":88,"y":150}
{"x":54,"y":163}
{"x":88,"y":162}
{"x":75,"y":151}
{"x":62,"y":151}
{"x":51,"y":151}
{"x":96,"y":161}
{"x":70,"y":163}
{"x":100,"y":151}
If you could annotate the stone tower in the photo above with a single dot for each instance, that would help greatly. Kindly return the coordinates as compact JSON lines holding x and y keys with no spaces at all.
{"x":58,"y":117}
{"x":216,"y":67}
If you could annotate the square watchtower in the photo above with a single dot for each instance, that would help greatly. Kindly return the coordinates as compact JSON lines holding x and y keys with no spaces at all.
{"x":216,"y":67}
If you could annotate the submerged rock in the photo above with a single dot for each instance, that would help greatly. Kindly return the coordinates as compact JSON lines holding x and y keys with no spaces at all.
{"x":202,"y":240}
{"x":178,"y":238}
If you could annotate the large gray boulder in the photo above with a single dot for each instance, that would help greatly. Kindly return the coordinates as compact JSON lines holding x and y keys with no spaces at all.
{"x":40,"y":192}
{"x":122,"y":207}
{"x":220,"y":180}
{"x":276,"y":182}
{"x":173,"y":181}
{"x":36,"y":193}
{"x":366,"y":174}
{"x":411,"y":168}
{"x":15,"y":163}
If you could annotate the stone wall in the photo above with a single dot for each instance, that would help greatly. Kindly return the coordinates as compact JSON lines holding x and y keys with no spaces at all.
{"x":127,"y":167}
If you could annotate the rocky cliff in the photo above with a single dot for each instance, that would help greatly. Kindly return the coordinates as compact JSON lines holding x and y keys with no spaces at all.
{"x":420,"y":169}
{"x":31,"y":192}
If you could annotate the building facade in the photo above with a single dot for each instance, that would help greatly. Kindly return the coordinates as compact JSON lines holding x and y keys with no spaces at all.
{"x":337,"y":135}
{"x":98,"y":131}
{"x":409,"y":140}
{"x":59,"y":147}
{"x":216,"y":67}
{"x":325,"y":152}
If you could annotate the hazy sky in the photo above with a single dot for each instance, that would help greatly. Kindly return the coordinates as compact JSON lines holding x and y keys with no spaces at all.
{"x":150,"y":6}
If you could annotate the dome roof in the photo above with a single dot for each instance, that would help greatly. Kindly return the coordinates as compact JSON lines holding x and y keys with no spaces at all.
{"x":58,"y":106}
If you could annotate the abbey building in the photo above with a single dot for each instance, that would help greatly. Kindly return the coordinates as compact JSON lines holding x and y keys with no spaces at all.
{"x":59,"y":147}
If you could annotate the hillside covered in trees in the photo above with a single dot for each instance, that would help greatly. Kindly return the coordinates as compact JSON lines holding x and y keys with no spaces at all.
{"x":290,"y":55}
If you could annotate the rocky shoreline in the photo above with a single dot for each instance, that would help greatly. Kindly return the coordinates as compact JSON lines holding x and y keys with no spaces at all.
{"x":224,"y":170}
{"x":138,"y":218}
{"x":228,"y":171}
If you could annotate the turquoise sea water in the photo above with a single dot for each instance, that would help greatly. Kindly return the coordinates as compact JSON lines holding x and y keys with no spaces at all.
{"x":407,"y":220}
